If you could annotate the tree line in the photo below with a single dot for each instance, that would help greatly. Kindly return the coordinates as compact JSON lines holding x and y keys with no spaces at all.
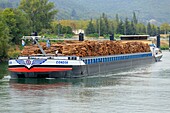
{"x":40,"y":16}
{"x":31,"y":15}
{"x":104,"y":26}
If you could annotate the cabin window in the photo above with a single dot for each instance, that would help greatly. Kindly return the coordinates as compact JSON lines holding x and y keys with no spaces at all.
{"x":88,"y":61}
{"x":74,"y":58}
{"x":98,"y":60}
{"x":118,"y":58}
{"x":105,"y":60}
{"x":93,"y":60}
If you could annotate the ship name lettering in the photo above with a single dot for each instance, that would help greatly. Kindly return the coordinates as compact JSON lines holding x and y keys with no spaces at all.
{"x":61,"y":62}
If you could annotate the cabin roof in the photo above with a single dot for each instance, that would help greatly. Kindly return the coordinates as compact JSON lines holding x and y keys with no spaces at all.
{"x":134,"y":37}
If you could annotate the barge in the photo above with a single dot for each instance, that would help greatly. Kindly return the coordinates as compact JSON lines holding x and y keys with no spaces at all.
{"x":51,"y":66}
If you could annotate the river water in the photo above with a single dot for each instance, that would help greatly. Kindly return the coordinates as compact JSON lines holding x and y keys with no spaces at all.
{"x":142,"y":90}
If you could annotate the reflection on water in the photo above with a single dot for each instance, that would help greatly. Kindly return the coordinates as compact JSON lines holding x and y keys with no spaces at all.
{"x":57,"y":83}
{"x":140,"y":90}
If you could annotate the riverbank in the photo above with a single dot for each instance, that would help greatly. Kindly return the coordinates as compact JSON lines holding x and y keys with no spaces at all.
{"x":3,"y":69}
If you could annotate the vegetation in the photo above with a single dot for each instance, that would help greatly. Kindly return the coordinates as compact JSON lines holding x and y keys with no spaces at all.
{"x":4,"y":39}
{"x":40,"y":16}
{"x":164,"y":47}
{"x":15,"y":22}
{"x":104,"y":26}
{"x":39,"y":12}
{"x":146,"y":10}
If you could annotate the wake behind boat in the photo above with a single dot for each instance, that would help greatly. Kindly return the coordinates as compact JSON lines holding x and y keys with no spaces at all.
{"x":52,"y":66}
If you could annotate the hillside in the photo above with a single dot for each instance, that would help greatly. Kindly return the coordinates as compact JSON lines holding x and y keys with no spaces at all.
{"x":9,"y":3}
{"x":145,"y":10}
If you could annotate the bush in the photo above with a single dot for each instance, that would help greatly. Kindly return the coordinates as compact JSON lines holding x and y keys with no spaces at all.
{"x":68,"y":36}
{"x":96,"y":35}
{"x":164,"y":47}
{"x":13,"y":52}
{"x":106,"y":36}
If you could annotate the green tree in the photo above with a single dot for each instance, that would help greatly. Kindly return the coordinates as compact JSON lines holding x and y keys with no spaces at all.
{"x":90,"y":28}
{"x":97,"y":26}
{"x":66,"y":30}
{"x":127,"y":29}
{"x":40,"y":13}
{"x":106,"y":24}
{"x":4,"y":37}
{"x":132,"y":28}
{"x":135,"y":21}
{"x":140,"y":29}
{"x":117,"y":18}
{"x":120,"y":28}
{"x":165,"y":28}
{"x":111,"y":30}
{"x":154,"y":30}
{"x":117,"y":23}
{"x":149,"y":29}
{"x":101,"y":26}
{"x":158,"y":30}
{"x":17,"y":23}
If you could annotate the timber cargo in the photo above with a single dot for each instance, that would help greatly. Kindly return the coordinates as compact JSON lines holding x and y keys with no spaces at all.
{"x":79,"y":59}
{"x":88,"y":48}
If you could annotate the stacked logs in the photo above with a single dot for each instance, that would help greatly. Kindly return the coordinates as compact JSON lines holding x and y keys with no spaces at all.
{"x":88,"y":48}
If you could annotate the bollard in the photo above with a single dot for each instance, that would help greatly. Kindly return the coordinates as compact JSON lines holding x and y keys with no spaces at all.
{"x":158,"y":41}
{"x":111,"y":37}
{"x":81,"y":37}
